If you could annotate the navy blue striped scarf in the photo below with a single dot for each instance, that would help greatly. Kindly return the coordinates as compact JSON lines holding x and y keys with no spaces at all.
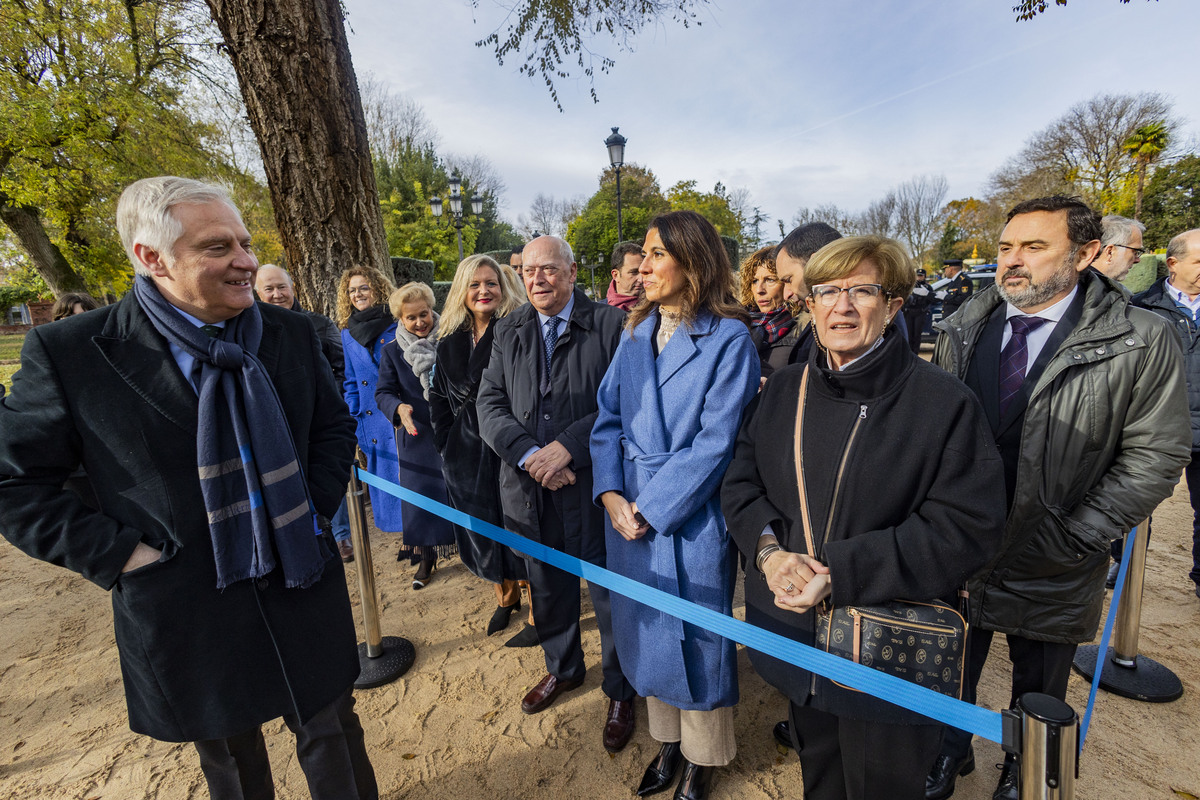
{"x":259,"y":513}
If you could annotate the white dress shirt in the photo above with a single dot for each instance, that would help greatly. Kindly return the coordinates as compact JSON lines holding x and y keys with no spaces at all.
{"x":1035,"y":340}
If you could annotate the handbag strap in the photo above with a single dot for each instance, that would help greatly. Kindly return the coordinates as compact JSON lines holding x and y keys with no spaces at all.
{"x":799,"y":457}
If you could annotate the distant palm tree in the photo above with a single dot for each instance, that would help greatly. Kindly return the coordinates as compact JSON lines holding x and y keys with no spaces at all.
{"x":1145,"y":144}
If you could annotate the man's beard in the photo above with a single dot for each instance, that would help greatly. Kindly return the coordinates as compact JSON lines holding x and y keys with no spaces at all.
{"x":1036,"y":294}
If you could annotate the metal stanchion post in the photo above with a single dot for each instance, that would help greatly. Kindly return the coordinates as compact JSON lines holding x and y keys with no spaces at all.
{"x":1043,"y":732}
{"x":1124,"y":671}
{"x":382,"y":659}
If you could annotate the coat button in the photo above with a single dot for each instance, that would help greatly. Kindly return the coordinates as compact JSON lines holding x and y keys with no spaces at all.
{"x":1130,"y":342}
{"x":262,"y":584}
{"x":1077,"y":356}
{"x":526,"y":415}
{"x":545,"y":416}
{"x":1099,"y":351}
{"x":368,"y":413}
{"x":374,"y":441}
{"x":528,"y":505}
{"x":364,"y":383}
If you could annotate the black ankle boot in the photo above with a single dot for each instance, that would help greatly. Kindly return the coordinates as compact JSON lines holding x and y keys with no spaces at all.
{"x":694,"y":782}
{"x":500,"y":617}
{"x":662,"y":770}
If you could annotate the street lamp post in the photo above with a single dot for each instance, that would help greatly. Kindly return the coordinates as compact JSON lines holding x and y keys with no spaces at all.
{"x":616,"y":157}
{"x":456,"y":207}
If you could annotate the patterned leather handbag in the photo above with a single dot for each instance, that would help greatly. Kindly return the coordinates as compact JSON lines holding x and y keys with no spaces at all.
{"x":920,"y":642}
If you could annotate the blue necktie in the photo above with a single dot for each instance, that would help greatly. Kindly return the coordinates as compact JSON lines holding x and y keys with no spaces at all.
{"x":551,"y":340}
{"x":1014,"y":359}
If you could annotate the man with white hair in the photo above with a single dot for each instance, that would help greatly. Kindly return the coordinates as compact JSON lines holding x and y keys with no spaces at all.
{"x":1176,"y":299}
{"x":213,"y":433}
{"x":1120,"y":246}
{"x":537,"y":405}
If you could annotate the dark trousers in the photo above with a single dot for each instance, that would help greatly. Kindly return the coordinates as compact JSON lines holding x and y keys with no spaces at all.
{"x":1036,"y":667}
{"x":846,"y":759}
{"x":329,"y":748}
{"x":915,"y":320}
{"x":1192,"y":474}
{"x":555,"y":595}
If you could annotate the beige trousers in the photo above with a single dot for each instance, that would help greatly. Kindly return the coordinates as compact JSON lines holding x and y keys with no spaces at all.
{"x":705,"y":737}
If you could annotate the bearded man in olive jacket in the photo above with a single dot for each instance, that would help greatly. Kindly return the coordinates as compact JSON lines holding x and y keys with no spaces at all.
{"x":212,"y":432}
{"x":1086,"y":397}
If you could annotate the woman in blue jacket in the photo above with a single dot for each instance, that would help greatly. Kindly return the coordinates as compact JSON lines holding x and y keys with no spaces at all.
{"x":669,"y":410}
{"x":367,"y":325}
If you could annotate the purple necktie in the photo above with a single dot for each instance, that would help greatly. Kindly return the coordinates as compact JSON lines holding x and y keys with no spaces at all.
{"x":1014,"y":359}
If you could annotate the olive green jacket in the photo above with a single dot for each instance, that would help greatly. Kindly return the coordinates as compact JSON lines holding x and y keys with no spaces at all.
{"x":1104,"y":439}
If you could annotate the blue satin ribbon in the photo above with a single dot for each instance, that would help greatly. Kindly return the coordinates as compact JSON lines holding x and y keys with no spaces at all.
{"x":948,"y":710}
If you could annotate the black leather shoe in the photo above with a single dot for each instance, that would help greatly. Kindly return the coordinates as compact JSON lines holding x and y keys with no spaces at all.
{"x":662,"y":770}
{"x":939,"y":783}
{"x":783,"y":734}
{"x":1111,"y":581}
{"x":1010,"y":779}
{"x":694,"y":782}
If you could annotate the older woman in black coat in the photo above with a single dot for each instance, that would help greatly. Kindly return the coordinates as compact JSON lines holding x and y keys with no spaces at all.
{"x":482,"y":292}
{"x":905,"y":495}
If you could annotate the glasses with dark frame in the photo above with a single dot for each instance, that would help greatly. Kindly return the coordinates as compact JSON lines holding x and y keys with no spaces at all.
{"x":864,"y":294}
{"x":1137,"y":251}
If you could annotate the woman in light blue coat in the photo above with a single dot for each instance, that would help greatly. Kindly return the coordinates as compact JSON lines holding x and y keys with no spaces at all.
{"x":367,"y":325}
{"x":669,"y":410}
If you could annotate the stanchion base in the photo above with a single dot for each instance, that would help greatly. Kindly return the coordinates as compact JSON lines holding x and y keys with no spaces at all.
{"x":398,"y":655}
{"x":1147,"y":680}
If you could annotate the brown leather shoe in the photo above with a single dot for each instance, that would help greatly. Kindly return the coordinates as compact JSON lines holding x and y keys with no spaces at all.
{"x":618,"y":727}
{"x":541,"y":696}
{"x":346,"y":550}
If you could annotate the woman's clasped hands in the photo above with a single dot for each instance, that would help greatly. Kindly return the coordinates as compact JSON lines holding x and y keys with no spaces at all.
{"x":798,"y":581}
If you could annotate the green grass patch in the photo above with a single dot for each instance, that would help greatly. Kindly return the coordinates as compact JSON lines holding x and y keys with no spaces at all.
{"x":10,"y":355}
{"x":10,"y":346}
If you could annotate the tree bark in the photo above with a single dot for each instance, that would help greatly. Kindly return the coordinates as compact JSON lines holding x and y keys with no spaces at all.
{"x":48,"y":260}
{"x":292,"y":62}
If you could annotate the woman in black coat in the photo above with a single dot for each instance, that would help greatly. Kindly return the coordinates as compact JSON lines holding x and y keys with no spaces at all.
{"x":482,"y":292}
{"x":906,"y":500}
{"x":405,"y":364}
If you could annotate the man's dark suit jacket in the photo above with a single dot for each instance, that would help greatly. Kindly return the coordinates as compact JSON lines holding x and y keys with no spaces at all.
{"x":509,"y":401}
{"x":102,"y":390}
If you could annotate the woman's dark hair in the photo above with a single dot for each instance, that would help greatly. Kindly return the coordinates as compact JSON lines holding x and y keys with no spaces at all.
{"x":696,"y":246}
{"x":64,"y":306}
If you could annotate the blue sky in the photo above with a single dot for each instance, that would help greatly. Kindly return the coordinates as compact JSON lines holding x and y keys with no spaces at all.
{"x":802,"y":103}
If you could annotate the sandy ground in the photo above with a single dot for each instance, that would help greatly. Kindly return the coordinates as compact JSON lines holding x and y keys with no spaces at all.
{"x":452,"y":726}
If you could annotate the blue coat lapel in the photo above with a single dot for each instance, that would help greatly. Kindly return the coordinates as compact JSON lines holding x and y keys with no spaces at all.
{"x":682,"y":347}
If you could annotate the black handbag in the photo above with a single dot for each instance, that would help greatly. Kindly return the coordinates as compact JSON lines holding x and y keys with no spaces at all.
{"x":920,"y":642}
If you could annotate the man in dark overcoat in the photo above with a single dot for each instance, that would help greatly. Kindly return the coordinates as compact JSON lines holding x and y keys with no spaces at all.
{"x":537,"y":404}
{"x":212,"y":433}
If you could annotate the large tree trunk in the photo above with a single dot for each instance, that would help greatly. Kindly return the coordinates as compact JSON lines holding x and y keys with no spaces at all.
{"x":293,"y":65}
{"x":48,"y":260}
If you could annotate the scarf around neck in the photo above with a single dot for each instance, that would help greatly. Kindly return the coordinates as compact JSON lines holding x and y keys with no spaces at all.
{"x":420,"y":352}
{"x":259,"y":512}
{"x":368,"y":325}
{"x":775,"y":324}
{"x":621,"y":301}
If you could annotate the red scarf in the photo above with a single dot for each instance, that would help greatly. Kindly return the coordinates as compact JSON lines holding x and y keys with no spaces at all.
{"x":621,"y":301}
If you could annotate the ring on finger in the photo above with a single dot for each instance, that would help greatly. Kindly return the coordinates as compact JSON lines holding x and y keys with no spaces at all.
{"x":789,"y":587}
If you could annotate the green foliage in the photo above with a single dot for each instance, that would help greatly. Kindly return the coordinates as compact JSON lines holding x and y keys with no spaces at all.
{"x":92,"y":98}
{"x":594,"y":232}
{"x":713,"y":206}
{"x":407,"y":270}
{"x":1172,"y":203}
